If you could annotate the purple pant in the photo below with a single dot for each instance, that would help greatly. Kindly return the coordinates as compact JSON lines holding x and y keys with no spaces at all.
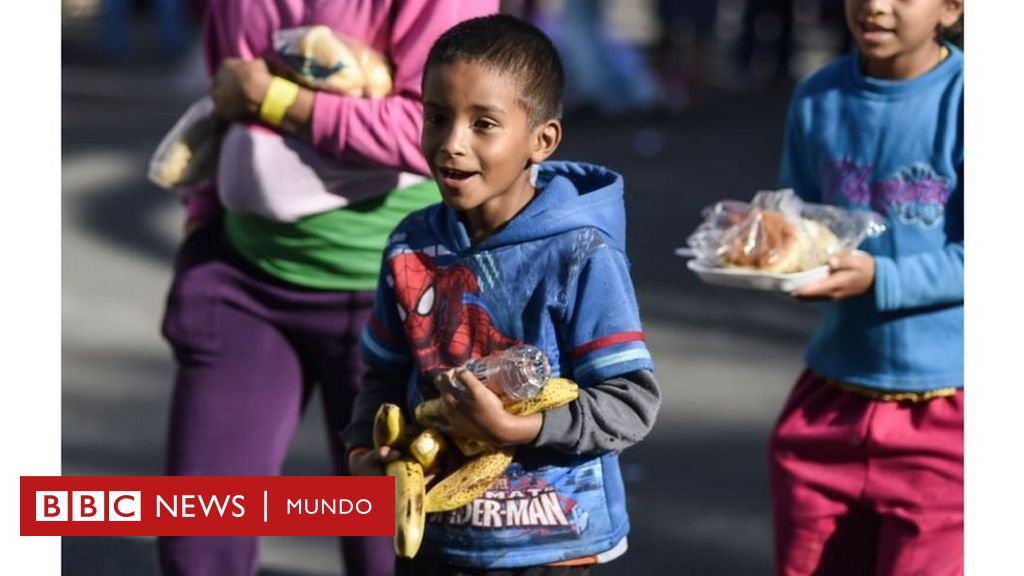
{"x":249,"y":350}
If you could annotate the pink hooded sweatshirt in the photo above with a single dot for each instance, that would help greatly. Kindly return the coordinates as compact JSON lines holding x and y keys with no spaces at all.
{"x":380,"y":133}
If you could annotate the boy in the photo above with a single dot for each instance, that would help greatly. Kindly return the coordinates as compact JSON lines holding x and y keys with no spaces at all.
{"x":520,"y":252}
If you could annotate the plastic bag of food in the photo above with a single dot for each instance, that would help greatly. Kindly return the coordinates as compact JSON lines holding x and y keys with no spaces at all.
{"x":187,"y":155}
{"x":778,"y":233}
{"x":324,"y":60}
{"x":315,"y":55}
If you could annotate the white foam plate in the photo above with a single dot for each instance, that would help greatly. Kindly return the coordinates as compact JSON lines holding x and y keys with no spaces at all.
{"x":751,"y":279}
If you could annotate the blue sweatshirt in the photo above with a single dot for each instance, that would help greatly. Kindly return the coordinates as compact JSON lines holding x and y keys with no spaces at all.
{"x":896,"y":147}
{"x":556,"y":276}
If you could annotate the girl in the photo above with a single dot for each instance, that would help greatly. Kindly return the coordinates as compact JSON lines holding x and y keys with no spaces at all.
{"x":867,"y":455}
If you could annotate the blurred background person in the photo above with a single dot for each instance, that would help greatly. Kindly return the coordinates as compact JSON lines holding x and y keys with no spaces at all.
{"x":833,"y":17}
{"x":171,"y":19}
{"x":684,"y":48}
{"x":606,"y":72}
{"x":770,"y":20}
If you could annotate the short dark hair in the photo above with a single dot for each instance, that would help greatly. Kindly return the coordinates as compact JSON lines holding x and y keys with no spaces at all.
{"x":511,"y":47}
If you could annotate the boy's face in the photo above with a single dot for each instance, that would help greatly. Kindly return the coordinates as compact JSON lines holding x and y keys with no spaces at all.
{"x":478,"y":142}
{"x":898,"y":37}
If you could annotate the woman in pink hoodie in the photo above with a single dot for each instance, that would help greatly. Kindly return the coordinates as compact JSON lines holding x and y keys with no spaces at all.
{"x":274,"y":281}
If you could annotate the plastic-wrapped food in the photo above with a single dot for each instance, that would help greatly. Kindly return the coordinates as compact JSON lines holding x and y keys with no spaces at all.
{"x":187,"y":155}
{"x":324,"y":60}
{"x":778,"y":233}
{"x":316,"y":56}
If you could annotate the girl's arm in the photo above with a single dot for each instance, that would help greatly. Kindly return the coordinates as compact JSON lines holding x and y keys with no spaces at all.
{"x":922,"y":280}
{"x":926,"y":279}
{"x":934,"y":278}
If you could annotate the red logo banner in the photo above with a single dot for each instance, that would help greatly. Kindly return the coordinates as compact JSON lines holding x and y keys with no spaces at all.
{"x":207,"y":506}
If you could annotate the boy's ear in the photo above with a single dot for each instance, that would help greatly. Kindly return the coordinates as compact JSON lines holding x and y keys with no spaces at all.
{"x":546,"y":139}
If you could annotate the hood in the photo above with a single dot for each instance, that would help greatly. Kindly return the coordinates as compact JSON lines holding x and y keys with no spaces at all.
{"x":572,"y":195}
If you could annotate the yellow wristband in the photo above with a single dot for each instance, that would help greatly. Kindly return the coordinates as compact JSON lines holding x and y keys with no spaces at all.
{"x":280,"y":96}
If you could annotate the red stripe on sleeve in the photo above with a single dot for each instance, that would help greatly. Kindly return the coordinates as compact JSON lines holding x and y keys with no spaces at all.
{"x":612,"y":340}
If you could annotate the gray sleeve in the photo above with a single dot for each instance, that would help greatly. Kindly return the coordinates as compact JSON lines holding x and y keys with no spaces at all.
{"x":376,"y":387}
{"x":607,"y":417}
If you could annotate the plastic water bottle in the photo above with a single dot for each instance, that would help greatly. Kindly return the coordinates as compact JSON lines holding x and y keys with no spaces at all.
{"x":516,"y":373}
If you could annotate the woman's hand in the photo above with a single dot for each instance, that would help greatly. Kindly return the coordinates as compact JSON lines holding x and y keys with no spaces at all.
{"x":471,"y":410}
{"x":850,"y":274}
{"x":239,"y":87}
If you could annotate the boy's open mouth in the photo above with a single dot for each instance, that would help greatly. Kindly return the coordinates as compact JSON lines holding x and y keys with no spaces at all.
{"x":872,"y":31}
{"x":872,"y":27}
{"x":454,"y":174}
{"x":874,"y":34}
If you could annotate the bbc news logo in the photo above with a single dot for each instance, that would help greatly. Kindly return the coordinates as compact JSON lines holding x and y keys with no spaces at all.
{"x":207,"y":505}
{"x":89,"y":506}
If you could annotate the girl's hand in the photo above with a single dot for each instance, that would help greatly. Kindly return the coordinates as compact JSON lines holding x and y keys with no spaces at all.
{"x":371,"y":462}
{"x":471,"y":410}
{"x":239,"y":87}
{"x":850,"y":274}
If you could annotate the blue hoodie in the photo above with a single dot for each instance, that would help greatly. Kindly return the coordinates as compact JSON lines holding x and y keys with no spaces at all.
{"x":556,"y":276}
{"x":896,"y":147}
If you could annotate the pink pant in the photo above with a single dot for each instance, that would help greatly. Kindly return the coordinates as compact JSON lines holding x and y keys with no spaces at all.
{"x":862,"y":486}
